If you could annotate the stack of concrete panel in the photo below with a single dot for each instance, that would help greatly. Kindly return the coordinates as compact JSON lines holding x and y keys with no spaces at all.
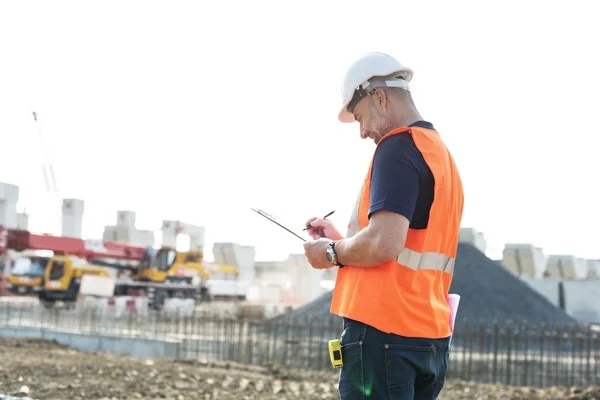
{"x":306,"y":281}
{"x":171,"y":229}
{"x":298,"y":281}
{"x":126,"y":232}
{"x":593,"y":269}
{"x":240,"y":256}
{"x":566,"y":267}
{"x":262,"y":269}
{"x":72,"y":217}
{"x":264,"y":294}
{"x":524,"y":260}
{"x":9,"y":195}
{"x":472,"y":237}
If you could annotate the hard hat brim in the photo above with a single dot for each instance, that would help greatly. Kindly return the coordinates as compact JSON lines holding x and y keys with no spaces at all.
{"x":346,"y":116}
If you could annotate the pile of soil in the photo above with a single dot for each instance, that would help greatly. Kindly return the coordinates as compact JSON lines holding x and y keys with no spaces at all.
{"x":46,"y":370}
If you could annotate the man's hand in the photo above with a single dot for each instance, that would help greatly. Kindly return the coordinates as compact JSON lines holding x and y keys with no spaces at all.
{"x":323,"y":228}
{"x":315,"y":252}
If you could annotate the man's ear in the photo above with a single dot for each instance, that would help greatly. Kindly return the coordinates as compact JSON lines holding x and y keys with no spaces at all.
{"x":380,"y":99}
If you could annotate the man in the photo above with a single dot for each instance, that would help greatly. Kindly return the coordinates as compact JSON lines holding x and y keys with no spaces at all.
{"x":395,"y":265}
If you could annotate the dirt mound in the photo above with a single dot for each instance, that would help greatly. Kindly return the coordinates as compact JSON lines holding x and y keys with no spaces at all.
{"x":51,"y":372}
{"x":32,"y":343}
{"x":488,"y":292}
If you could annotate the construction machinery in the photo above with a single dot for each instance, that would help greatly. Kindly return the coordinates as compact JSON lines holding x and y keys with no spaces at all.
{"x":62,"y":278}
{"x":166,"y":273}
{"x":157,"y":273}
{"x":62,"y":272}
{"x":27,"y":274}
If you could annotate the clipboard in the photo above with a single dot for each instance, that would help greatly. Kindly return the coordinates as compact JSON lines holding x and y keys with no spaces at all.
{"x":272,"y":219}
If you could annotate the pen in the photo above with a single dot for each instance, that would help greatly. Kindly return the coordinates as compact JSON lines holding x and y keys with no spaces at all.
{"x":308,"y":227}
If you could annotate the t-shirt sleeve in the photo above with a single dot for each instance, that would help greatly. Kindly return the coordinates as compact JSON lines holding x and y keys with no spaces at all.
{"x":395,"y":176}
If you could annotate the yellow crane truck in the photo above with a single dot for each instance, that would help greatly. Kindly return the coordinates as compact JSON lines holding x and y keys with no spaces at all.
{"x":160,"y":274}
{"x":27,"y":275}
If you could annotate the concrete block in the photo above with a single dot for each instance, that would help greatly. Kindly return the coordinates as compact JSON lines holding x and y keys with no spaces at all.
{"x":593,"y":269}
{"x":579,"y":296}
{"x":121,"y":234}
{"x":169,"y":239}
{"x":581,"y":300}
{"x":126,"y":232}
{"x":144,"y":238}
{"x":471,"y":236}
{"x":171,"y":229}
{"x":73,"y":206}
{"x":267,"y":293}
{"x":306,"y":280}
{"x":299,"y":283}
{"x":524,"y":259}
{"x":126,"y":218}
{"x":228,"y":287}
{"x":237,"y":255}
{"x":109,"y":234}
{"x":566,"y":267}
{"x":9,"y":196}
{"x":547,"y":287}
{"x":96,"y":285}
{"x":72,"y":217}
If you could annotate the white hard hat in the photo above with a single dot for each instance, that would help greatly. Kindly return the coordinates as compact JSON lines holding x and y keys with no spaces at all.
{"x":366,"y":74}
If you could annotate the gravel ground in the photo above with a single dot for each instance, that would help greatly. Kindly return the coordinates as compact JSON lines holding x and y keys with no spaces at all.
{"x":488,"y":292}
{"x":45,"y":370}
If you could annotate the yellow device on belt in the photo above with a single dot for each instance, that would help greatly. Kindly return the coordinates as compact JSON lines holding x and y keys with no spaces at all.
{"x":335,"y":353}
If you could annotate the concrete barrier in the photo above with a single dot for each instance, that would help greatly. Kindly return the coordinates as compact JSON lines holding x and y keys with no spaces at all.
{"x":547,"y":287}
{"x":582,"y":300}
{"x":579,"y":296}
{"x":137,"y":347}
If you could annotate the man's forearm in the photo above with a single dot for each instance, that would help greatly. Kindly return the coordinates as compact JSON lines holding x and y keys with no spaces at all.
{"x":363,"y":250}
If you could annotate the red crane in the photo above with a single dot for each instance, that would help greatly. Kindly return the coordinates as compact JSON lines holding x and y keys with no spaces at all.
{"x":20,"y":240}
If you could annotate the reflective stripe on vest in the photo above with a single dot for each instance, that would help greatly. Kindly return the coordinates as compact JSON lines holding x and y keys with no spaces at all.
{"x":426,"y":261}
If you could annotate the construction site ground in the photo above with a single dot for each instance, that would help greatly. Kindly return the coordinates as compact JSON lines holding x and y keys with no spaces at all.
{"x":44,"y":370}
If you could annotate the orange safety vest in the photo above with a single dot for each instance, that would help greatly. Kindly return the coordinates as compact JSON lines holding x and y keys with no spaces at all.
{"x":407,"y":296}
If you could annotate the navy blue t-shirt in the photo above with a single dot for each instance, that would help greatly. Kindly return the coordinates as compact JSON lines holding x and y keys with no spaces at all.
{"x":401,"y":180}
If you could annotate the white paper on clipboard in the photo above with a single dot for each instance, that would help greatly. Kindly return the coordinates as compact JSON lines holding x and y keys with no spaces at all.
{"x":272,"y":219}
{"x":453,"y":301}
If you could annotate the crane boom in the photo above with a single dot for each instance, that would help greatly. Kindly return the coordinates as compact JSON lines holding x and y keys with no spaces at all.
{"x":20,"y":240}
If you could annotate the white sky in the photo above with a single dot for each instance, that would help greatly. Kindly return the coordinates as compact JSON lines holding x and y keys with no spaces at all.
{"x":200,"y":110}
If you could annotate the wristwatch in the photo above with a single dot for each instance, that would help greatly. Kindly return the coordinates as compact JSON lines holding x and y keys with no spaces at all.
{"x":332,"y":255}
